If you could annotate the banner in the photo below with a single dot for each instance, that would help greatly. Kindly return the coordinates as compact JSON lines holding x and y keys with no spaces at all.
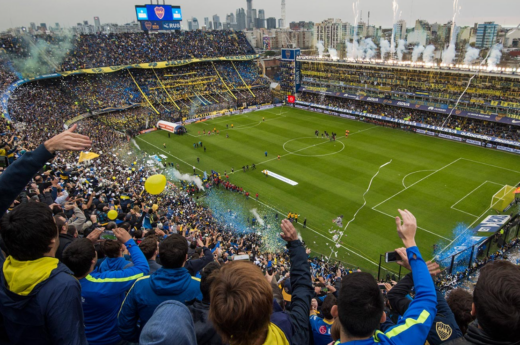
{"x":86,"y":156}
{"x":424,"y":126}
{"x":415,"y":106}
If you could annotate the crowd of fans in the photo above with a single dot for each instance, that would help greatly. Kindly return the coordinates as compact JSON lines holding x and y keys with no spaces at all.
{"x":494,"y":129}
{"x":68,"y":52}
{"x":89,"y":257}
{"x":442,"y":87}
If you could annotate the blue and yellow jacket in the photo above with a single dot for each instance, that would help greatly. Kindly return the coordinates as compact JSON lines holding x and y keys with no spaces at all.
{"x":113,"y":264}
{"x":104,"y":292}
{"x":148,"y":292}
{"x":321,"y":330}
{"x":40,"y":303}
{"x":418,"y":318}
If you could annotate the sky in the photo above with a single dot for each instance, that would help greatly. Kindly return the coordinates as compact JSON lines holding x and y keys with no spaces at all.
{"x":70,"y":12}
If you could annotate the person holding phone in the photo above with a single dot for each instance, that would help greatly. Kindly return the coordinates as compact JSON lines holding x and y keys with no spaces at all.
{"x":360,"y":307}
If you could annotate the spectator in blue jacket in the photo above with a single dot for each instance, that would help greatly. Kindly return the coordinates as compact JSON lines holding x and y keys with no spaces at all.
{"x":171,"y":282}
{"x":114,"y":259}
{"x":242,"y":303}
{"x":40,"y":300}
{"x":103,"y":292}
{"x":321,"y":326}
{"x":444,"y":326}
{"x":360,"y":305}
{"x":150,"y":248}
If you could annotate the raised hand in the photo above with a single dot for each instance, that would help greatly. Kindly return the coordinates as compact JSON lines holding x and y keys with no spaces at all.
{"x":289,"y":232}
{"x":68,"y":141}
{"x":407,"y":228}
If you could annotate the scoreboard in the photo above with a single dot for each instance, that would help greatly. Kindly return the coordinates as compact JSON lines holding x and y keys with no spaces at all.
{"x":159,"y":17}
{"x":158,"y":12}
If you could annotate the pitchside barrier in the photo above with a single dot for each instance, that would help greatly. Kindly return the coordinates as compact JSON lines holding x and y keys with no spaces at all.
{"x":504,"y":228}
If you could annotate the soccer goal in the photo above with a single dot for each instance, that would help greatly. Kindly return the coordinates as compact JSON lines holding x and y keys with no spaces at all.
{"x":503,"y":198}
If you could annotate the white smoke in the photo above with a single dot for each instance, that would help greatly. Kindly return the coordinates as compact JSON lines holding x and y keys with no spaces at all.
{"x":449,"y":54}
{"x":401,"y":49}
{"x":135,"y":144}
{"x":351,"y":50}
{"x":320,"y":48}
{"x":333,"y":54}
{"x":384,"y":46}
{"x":257,"y":216}
{"x":428,"y":53}
{"x":395,"y":8}
{"x":417,"y":51}
{"x":471,"y":55}
{"x":177,"y":175}
{"x":369,"y":48}
{"x":495,"y":55}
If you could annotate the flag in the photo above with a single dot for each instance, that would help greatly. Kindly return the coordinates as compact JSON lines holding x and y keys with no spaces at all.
{"x":86,"y":156}
{"x":517,"y":190}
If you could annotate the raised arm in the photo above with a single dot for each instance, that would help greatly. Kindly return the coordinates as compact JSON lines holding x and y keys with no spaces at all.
{"x":301,"y":284}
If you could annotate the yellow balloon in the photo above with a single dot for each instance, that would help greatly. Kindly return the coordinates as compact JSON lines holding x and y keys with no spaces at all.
{"x":155,"y":184}
{"x":128,"y":178}
{"x":112,"y":214}
{"x":113,"y":177}
{"x":135,"y":163}
{"x":133,"y":169}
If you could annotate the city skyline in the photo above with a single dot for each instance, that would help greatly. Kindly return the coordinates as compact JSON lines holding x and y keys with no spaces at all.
{"x":503,"y":12}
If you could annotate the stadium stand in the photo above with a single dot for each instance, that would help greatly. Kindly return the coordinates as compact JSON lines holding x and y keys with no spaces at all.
{"x":54,"y":207}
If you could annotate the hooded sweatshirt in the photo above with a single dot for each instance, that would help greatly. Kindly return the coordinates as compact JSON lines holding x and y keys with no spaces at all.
{"x":170,"y":324}
{"x":477,"y":336}
{"x":147,"y":293}
{"x":113,"y":264}
{"x":104,"y":292}
{"x":40,"y":303}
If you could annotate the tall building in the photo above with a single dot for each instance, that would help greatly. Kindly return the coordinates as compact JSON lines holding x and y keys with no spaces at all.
{"x":332,"y":32}
{"x":232,"y":18}
{"x":283,"y":15}
{"x":33,"y":26}
{"x":486,"y":34}
{"x":280,"y":23}
{"x":97,"y":22}
{"x":85,"y":22}
{"x":400,"y":30}
{"x":216,"y":22}
{"x":260,"y":23}
{"x":241,"y":19}
{"x":206,"y":21}
{"x":195,"y":23}
{"x":43,"y":26}
{"x":261,"y":14}
{"x":253,"y":15}
{"x":271,"y":23}
{"x":190,"y":25}
{"x":362,"y":29}
{"x":249,"y":18}
{"x":57,"y":26}
{"x":210,"y":26}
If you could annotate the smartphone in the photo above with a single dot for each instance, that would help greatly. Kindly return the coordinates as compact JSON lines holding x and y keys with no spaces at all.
{"x":108,"y":235}
{"x":242,"y":257}
{"x":392,"y":257}
{"x":382,"y":286}
{"x":270,"y":270}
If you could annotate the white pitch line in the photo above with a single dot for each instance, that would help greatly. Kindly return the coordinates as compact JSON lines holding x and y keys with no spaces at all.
{"x":491,"y":165}
{"x":413,"y":184}
{"x":415,"y":172}
{"x":305,"y":148}
{"x":470,"y":214}
{"x":319,"y":233}
{"x":423,"y":229}
{"x":169,"y":154}
{"x":465,"y":196}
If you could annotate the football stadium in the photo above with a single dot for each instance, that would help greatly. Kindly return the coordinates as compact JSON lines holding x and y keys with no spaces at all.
{"x":158,"y":186}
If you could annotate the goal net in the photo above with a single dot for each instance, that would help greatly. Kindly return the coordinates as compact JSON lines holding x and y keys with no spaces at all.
{"x":503,"y":198}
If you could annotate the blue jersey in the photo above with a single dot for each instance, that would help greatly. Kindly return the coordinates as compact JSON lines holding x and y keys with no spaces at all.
{"x":321,"y":330}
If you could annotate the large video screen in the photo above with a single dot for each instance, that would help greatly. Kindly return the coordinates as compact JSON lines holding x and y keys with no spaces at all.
{"x":158,"y":12}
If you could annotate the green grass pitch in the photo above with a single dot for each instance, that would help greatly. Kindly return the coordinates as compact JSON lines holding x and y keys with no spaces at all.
{"x":441,"y":182}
